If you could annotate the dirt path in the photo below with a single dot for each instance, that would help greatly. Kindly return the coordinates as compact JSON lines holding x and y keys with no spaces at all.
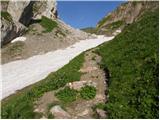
{"x":92,"y":72}
{"x":81,"y":109}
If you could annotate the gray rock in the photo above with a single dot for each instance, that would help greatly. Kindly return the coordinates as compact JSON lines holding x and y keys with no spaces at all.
{"x":59,"y":113}
{"x":45,"y":8}
{"x":77,"y":85}
{"x":22,"y":12}
{"x":101,"y":113}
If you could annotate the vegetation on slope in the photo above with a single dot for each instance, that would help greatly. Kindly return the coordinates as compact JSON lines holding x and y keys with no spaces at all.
{"x":21,"y":105}
{"x":115,"y":25}
{"x":132,"y":60}
{"x":88,"y":92}
{"x":48,"y":24}
{"x":6,"y":16}
{"x":67,"y":95}
{"x":90,"y":30}
{"x":101,"y":23}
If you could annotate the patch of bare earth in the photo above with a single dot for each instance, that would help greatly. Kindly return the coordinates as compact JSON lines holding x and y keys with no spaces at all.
{"x":38,"y":42}
{"x":92,"y":72}
{"x":81,"y":108}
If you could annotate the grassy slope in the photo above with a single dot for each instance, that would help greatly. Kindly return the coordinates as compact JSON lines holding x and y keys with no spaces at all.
{"x":132,"y":59}
{"x":21,"y":104}
{"x":48,"y":24}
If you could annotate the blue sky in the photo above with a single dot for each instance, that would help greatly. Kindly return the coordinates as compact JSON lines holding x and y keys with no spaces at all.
{"x":82,"y":14}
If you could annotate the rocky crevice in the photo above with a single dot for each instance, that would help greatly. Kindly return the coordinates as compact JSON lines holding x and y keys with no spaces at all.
{"x":22,"y":12}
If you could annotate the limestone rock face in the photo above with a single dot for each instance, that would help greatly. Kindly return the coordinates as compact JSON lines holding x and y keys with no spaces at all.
{"x":126,"y":13}
{"x":19,"y":9}
{"x":24,"y":11}
{"x":4,"y":5}
{"x":10,"y":30}
{"x":45,"y":8}
{"x":21,"y":13}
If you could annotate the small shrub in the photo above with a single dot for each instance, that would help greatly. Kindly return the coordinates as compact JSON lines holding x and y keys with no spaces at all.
{"x":102,"y":106}
{"x":67,"y":95}
{"x":115,"y":25}
{"x":104,"y":20}
{"x":48,"y":24}
{"x":50,"y":116}
{"x":6,"y":16}
{"x":88,"y":92}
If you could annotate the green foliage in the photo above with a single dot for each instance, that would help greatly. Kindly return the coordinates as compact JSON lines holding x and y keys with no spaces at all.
{"x":90,"y":30}
{"x":50,"y":116}
{"x":104,"y":20}
{"x":21,"y":104}
{"x":88,"y":92}
{"x":115,"y":25}
{"x":48,"y":24}
{"x":6,"y":16}
{"x":102,"y":106}
{"x":67,"y":95}
{"x":132,"y":60}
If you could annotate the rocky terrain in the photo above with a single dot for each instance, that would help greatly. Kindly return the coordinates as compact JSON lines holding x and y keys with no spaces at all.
{"x":122,"y":16}
{"x":118,"y":79}
{"x":79,"y":109}
{"x":38,"y":22}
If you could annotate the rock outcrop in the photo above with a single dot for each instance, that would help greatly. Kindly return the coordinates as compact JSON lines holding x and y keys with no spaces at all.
{"x":21,"y":13}
{"x":38,"y":22}
{"x":59,"y":113}
{"x":126,"y":13}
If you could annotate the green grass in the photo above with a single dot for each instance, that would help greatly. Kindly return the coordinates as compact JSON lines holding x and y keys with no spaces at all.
{"x":21,"y":105}
{"x":91,"y":30}
{"x":67,"y":95}
{"x":6,"y":16}
{"x":115,"y":25}
{"x":48,"y":24}
{"x":132,"y":60}
{"x":104,"y":20}
{"x":88,"y":92}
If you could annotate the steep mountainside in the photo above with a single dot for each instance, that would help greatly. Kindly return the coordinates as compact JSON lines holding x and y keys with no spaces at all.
{"x":38,"y":22}
{"x":131,"y":60}
{"x":124,"y":15}
{"x":126,"y":70}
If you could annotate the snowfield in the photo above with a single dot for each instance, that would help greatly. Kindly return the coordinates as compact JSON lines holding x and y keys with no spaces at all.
{"x":21,"y":73}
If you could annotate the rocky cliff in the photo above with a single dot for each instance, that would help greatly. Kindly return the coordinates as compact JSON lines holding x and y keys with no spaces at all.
{"x":38,"y":22}
{"x":125,"y":14}
{"x":16,"y":16}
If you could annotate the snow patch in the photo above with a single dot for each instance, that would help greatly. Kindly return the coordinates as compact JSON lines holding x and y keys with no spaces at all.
{"x":18,"y":39}
{"x":21,"y":73}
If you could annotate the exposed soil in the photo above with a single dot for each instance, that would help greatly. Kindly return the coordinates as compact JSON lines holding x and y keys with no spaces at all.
{"x":38,"y":42}
{"x":81,"y":109}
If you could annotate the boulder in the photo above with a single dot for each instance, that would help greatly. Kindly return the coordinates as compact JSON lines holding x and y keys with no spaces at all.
{"x":77,"y":85}
{"x":101,"y":113}
{"x":59,"y":113}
